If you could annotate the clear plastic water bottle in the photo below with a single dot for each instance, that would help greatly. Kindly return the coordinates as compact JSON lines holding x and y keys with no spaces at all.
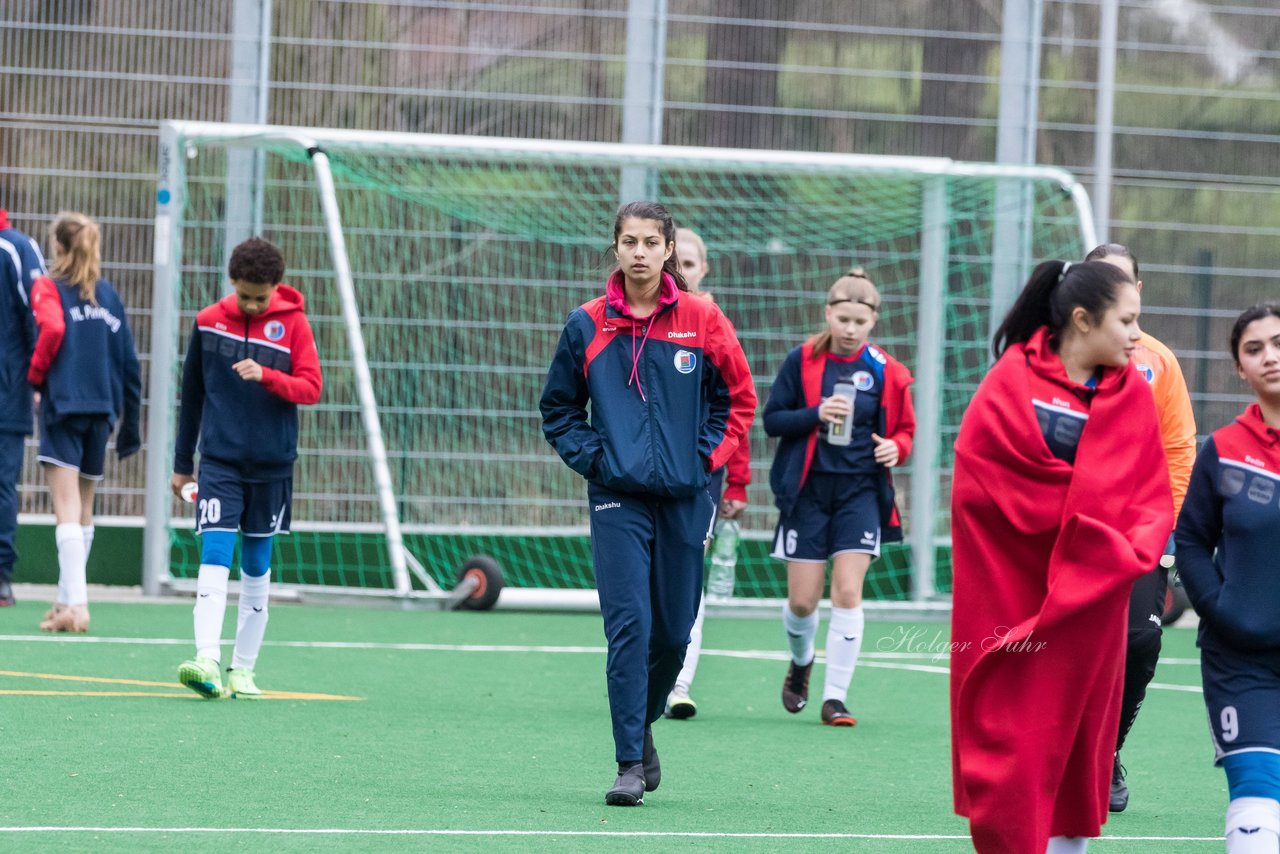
{"x":724,"y":559}
{"x":841,"y":432}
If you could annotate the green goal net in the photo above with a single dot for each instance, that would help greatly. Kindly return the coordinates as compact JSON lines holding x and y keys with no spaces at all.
{"x":465,"y":256}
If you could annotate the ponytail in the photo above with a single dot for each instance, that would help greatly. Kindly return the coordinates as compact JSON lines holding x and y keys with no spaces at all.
{"x":671,"y":267}
{"x":77,"y":253}
{"x":1030,"y":310}
{"x":1055,"y":289}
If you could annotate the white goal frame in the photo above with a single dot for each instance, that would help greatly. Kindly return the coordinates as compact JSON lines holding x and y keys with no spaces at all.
{"x":631,"y":160}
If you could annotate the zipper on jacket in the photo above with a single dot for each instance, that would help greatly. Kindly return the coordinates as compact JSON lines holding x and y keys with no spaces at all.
{"x":655,"y":479}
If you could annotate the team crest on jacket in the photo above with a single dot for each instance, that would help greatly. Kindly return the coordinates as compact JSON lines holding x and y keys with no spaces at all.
{"x":685,"y":361}
{"x":862,"y":381}
{"x":274,"y":330}
{"x":1147,"y":373}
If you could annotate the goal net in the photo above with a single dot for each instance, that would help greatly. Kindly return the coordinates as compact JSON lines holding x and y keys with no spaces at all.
{"x":464,"y":255}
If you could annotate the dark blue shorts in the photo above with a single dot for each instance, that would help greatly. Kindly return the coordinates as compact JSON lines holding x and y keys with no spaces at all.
{"x":76,"y":442}
{"x":835,"y":513}
{"x":1241,"y":695}
{"x":227,"y":502}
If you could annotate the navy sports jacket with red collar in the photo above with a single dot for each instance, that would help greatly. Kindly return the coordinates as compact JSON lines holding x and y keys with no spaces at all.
{"x":1228,"y":535}
{"x":791,"y":414}
{"x":252,"y":426}
{"x":84,"y":360}
{"x":671,"y":395}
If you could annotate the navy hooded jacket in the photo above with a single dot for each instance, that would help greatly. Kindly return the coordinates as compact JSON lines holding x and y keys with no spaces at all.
{"x":671,"y":395}
{"x":251,"y":426}
{"x":84,"y":361}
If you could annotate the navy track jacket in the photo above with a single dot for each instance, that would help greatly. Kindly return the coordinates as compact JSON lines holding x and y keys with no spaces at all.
{"x":20,"y":265}
{"x":1228,"y":536}
{"x":250,"y":426}
{"x":84,"y":361}
{"x":671,"y":395}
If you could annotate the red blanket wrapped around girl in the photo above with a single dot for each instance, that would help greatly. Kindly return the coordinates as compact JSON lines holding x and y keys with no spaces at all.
{"x":1045,"y":553}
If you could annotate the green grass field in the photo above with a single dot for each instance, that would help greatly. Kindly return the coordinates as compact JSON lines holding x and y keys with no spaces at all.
{"x":490,"y":732}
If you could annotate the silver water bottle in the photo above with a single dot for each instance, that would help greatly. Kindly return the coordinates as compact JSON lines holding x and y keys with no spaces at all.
{"x":841,"y":432}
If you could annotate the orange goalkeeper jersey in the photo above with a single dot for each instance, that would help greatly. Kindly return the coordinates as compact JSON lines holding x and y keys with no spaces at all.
{"x":1157,"y":363}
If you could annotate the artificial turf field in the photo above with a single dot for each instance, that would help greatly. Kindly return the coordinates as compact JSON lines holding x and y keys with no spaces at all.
{"x":490,"y":732}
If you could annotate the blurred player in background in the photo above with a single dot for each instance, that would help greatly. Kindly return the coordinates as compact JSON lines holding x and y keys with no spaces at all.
{"x":691,"y":253}
{"x":831,"y":481}
{"x":1160,"y":367}
{"x":86,"y":371}
{"x":20,"y":265}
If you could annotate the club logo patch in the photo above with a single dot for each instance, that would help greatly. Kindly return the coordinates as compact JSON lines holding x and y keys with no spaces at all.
{"x":274,"y":330}
{"x":685,"y":361}
{"x":862,"y":381}
{"x":1147,"y":373}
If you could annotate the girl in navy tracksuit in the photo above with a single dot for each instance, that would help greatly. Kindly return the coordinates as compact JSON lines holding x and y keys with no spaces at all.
{"x":1228,"y":536}
{"x":20,"y":265}
{"x":86,"y":371}
{"x":836,"y":501}
{"x":670,"y":398}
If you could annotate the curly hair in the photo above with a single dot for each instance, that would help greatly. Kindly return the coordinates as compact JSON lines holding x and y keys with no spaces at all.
{"x":258,"y":261}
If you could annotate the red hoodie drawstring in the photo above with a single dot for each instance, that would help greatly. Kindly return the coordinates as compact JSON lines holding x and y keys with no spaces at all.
{"x":635,"y":359}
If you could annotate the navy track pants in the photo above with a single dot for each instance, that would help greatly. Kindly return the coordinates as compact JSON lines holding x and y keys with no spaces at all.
{"x":648,"y":554}
{"x":10,"y":470}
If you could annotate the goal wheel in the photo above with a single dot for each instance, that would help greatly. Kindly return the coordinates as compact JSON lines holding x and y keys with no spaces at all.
{"x":479,"y":583}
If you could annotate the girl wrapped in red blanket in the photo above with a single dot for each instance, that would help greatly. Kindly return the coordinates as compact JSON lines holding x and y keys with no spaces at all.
{"x":1058,"y":505}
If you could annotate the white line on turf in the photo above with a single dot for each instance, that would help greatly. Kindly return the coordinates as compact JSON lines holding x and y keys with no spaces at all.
{"x":867,"y":659}
{"x":344,"y":831}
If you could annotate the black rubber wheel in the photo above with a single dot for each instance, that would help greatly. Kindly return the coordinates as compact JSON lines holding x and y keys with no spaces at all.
{"x":488,"y":580}
{"x":1175,"y":604}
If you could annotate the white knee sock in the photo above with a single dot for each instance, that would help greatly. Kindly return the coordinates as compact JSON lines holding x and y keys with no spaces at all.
{"x":844,"y":642}
{"x":1253,"y":826}
{"x":251,"y":623}
{"x":800,"y":634}
{"x":685,"y":679}
{"x":1067,"y":845}
{"x":72,"y":583}
{"x":87,"y":531}
{"x":211,"y":608}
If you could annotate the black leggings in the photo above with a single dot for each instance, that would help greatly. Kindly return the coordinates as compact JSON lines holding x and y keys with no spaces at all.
{"x":1146,"y":606}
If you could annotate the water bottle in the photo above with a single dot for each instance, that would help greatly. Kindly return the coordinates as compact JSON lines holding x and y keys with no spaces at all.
{"x":841,"y":432}
{"x":724,"y":560}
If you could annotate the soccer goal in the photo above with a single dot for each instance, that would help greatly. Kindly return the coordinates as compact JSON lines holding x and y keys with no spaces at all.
{"x":438,"y":271}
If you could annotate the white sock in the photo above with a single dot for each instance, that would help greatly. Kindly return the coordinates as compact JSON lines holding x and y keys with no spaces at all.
{"x":252,"y":621}
{"x":800,"y":634}
{"x":73,"y":587}
{"x":87,"y":532}
{"x":211,"y":608}
{"x":1253,"y":826}
{"x":1067,"y":845}
{"x":844,"y":642}
{"x":685,"y":679}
